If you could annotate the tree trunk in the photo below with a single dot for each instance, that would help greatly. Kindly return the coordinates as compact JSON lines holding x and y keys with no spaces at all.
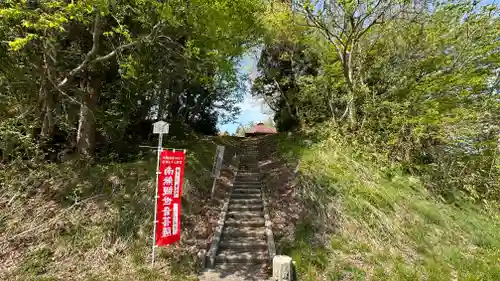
{"x":161,"y":104}
{"x":85,"y":139}
{"x":352,"y":109}
{"x":48,"y":126}
{"x":45,"y":107}
{"x":347,"y":65}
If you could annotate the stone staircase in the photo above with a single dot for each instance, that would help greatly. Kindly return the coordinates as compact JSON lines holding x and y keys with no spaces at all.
{"x":244,"y":239}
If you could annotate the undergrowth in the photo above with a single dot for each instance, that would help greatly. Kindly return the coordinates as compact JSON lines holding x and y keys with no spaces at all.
{"x":71,"y":221}
{"x":382,"y":224}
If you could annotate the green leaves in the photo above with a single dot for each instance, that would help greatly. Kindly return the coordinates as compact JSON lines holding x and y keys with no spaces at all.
{"x":140,"y":60}
{"x":19,"y":43}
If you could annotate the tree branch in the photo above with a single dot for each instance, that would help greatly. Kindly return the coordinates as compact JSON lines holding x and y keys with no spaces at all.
{"x":368,"y":14}
{"x":49,"y":77}
{"x":345,"y":112}
{"x":91,"y":55}
{"x":93,"y":52}
{"x":115,"y":51}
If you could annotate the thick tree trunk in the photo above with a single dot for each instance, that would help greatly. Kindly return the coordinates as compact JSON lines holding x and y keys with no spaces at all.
{"x":85,"y":139}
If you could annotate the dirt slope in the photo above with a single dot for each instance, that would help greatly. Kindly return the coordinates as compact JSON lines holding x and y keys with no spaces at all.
{"x":75,"y":222}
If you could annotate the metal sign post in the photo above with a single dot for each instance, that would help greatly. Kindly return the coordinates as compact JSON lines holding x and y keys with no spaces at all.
{"x":219,"y":156}
{"x":160,"y":127}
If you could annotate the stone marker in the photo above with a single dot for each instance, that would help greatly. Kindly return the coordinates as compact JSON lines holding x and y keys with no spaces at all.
{"x":201,"y":258}
{"x":282,"y":268}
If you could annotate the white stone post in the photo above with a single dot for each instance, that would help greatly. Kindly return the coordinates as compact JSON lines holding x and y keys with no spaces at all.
{"x":282,"y":268}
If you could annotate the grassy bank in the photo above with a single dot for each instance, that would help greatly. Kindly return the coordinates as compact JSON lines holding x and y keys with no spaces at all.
{"x":368,"y":221}
{"x":94,"y":222}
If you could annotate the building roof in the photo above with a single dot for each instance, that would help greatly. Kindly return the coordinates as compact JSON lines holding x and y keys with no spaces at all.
{"x":260,"y":128}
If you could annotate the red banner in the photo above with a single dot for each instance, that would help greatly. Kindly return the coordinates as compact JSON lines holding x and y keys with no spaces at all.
{"x":168,"y":219}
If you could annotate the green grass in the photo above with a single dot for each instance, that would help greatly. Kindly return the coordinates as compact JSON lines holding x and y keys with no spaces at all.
{"x":387,"y":226}
{"x":72,"y":221}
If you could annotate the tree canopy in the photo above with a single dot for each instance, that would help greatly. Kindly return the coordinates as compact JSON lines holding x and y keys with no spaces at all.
{"x":96,"y":74}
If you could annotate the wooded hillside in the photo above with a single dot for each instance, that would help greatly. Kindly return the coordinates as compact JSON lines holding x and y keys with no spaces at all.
{"x":388,"y":113}
{"x":87,"y":75}
{"x":416,"y":80}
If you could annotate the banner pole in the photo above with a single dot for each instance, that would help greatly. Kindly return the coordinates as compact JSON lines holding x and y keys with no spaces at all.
{"x":160,"y":143}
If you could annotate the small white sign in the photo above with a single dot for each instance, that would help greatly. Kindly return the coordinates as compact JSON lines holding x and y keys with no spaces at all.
{"x":160,"y":127}
{"x":219,"y":156}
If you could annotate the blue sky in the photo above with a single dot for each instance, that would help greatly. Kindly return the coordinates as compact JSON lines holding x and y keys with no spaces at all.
{"x":251,"y":109}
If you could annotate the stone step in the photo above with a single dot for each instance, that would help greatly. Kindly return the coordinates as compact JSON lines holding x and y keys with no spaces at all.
{"x":232,"y":222}
{"x":247,"y":271}
{"x":230,"y":231}
{"x":242,"y":207}
{"x":249,"y":174}
{"x":233,"y":204}
{"x":246,"y":201}
{"x":247,"y":183}
{"x":246,"y":190}
{"x":249,"y":193}
{"x":244,"y":239}
{"x":245,"y":196}
{"x":237,"y":215}
{"x":229,"y":256}
{"x":243,"y":189}
{"x":241,"y":244}
{"x":247,"y":187}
